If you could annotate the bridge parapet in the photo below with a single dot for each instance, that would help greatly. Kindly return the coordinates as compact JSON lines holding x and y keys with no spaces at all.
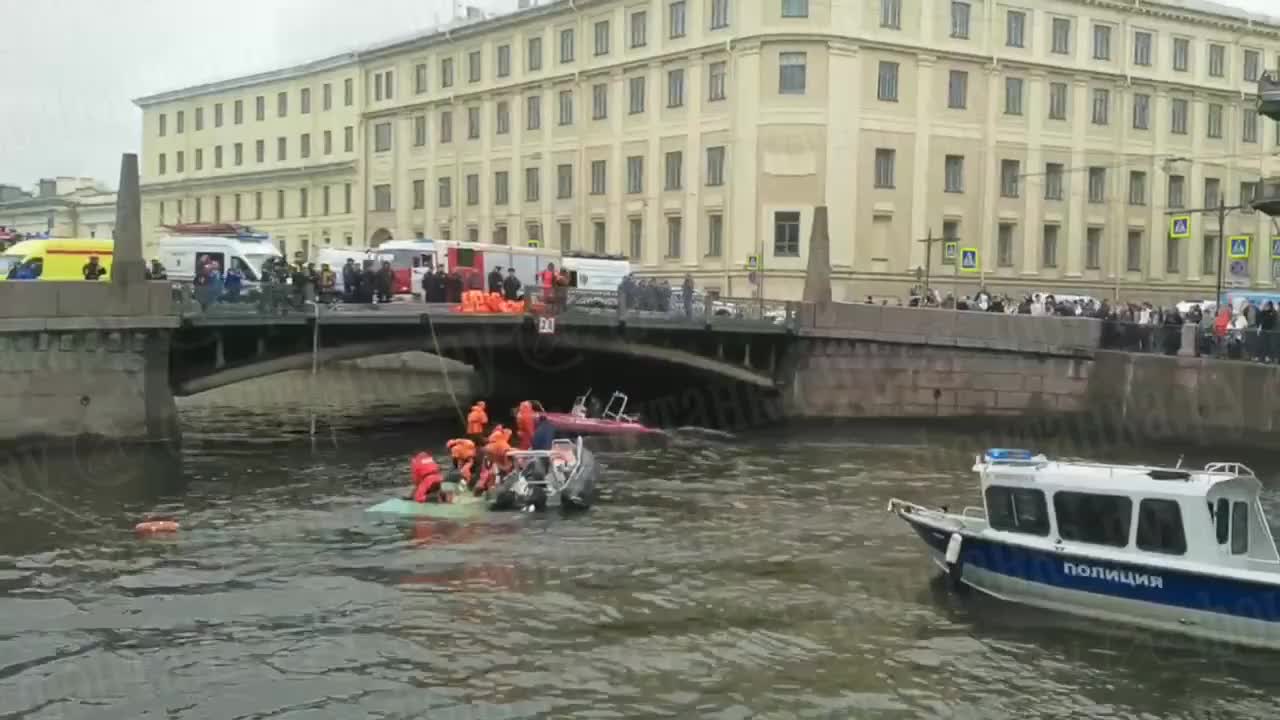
{"x":46,"y":305}
{"x":951,"y":328}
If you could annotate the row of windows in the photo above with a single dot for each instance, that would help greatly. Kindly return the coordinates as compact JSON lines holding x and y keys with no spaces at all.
{"x":260,"y":108}
{"x":1017,"y":35}
{"x":673,"y":180}
{"x":252,"y":206}
{"x":259,"y":151}
{"x":1106,"y":519}
{"x":533,"y":109}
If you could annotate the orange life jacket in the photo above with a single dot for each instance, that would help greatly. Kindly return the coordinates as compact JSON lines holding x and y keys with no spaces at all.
{"x":426,"y":476}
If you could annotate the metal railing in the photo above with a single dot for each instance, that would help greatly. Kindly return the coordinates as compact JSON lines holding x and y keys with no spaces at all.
{"x":1251,"y":343}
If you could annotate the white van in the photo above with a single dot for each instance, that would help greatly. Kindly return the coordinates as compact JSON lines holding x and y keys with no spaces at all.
{"x":180,"y":254}
{"x":336,"y":258}
{"x":595,"y":272}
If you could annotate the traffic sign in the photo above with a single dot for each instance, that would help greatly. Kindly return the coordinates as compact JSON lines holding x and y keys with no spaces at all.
{"x":1275,"y":247}
{"x":969,"y":259}
{"x":1239,"y":248}
{"x":949,"y":251}
{"x":547,"y":326}
{"x":1180,"y":226}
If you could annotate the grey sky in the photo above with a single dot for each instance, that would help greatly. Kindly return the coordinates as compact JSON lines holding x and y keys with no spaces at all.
{"x":70,"y":68}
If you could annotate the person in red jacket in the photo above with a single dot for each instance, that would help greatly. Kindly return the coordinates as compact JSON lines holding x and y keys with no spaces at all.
{"x":524,"y":425}
{"x":428,"y":481}
{"x":547,"y":280}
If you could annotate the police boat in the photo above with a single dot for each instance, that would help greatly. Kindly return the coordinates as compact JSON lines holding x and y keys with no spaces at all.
{"x":1174,"y":549}
{"x":563,"y":476}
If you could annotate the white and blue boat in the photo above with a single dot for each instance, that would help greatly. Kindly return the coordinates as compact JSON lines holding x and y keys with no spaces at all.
{"x":1186,"y":551}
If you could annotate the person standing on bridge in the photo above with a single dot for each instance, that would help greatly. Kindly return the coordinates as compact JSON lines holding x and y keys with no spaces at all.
{"x":495,"y":279}
{"x":547,"y":282}
{"x":687,"y":292}
{"x":511,"y":286}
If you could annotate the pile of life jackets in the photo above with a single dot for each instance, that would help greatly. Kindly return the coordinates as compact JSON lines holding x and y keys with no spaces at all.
{"x":478,"y":301}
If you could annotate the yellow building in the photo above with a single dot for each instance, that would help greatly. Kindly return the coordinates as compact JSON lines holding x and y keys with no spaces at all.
{"x":695,"y":135}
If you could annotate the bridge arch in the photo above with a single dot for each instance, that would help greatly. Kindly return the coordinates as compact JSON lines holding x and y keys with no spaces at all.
{"x":379,"y":236}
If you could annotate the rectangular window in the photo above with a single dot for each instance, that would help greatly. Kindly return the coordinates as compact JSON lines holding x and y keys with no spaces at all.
{"x":217,"y":115}
{"x":635,"y":174}
{"x":887,"y":82}
{"x":446,"y":126}
{"x":954,"y":174}
{"x":533,"y":112}
{"x":1013,"y":96}
{"x":178,"y":162}
{"x":1137,"y":187}
{"x":420,"y":78}
{"x":1133,"y":251}
{"x":349,"y":139}
{"x":446,"y":72}
{"x":599,"y":177}
{"x":715,"y":235}
{"x":1239,"y":528}
{"x":1248,"y":191}
{"x":534,"y":52}
{"x":237,"y":153}
{"x":199,"y":119}
{"x":639,"y":28}
{"x":282,"y":104}
{"x":217,"y":156}
{"x":1173,"y":255}
{"x":1101,"y":106}
{"x":1102,"y":42}
{"x":675,"y":236}
{"x":502,"y":121}
{"x":719,"y":14}
{"x":564,"y":181}
{"x":635,"y":235}
{"x":260,"y":150}
{"x":1097,"y":185}
{"x":791,"y":73}
{"x":1249,"y":120}
{"x":1058,"y":101}
{"x":326,"y":96}
{"x":473,"y":123}
{"x":602,"y":38}
{"x":1217,"y":61}
{"x":1178,"y":116}
{"x":304,"y":101}
{"x":786,"y":234}
{"x":1053,"y":181}
{"x":199,"y":159}
{"x":1010,"y":170}
{"x":716,"y":81}
{"x":473,"y":189}
{"x":1093,"y":518}
{"x":674,"y":170}
{"x":324,"y":199}
{"x":160,"y":168}
{"x":282,"y":149}
{"x":501,"y":187}
{"x":382,"y":137}
{"x":1049,"y":247}
{"x":1251,"y":64}
{"x":960,"y":13}
{"x":635,"y":94}
{"x":163,"y":123}
{"x":566,"y":236}
{"x":1020,"y":510}
{"x":566,"y":46}
{"x":1141,"y":111}
{"x":1093,"y":248}
{"x":676,"y":19}
{"x":1212,"y":192}
{"x":1061,"y":44}
{"x":1015,"y":28}
{"x":237,"y":112}
{"x":304,"y":145}
{"x":1160,"y":527}
{"x":598,"y":236}
{"x":348,"y":92}
{"x":715,"y":166}
{"x":1181,"y":54}
{"x":500,"y":235}
{"x":1177,"y":191}
{"x":891,"y":14}
{"x":328,"y":142}
{"x":532,"y":184}
{"x":382,"y":198}
{"x":1210,"y":255}
{"x":885,"y":160}
{"x":1142,"y":48}
{"x":420,"y":130}
{"x":302,"y":202}
{"x":504,"y":61}
{"x":566,"y":107}
{"x":259,"y":109}
{"x":444,"y":192}
{"x":675,"y":88}
{"x":1215,"y":120}
{"x":280,"y":211}
{"x":795,"y":8}
{"x":346,"y":198}
{"x":474,"y":68}
{"x":1004,"y":245}
{"x":957,"y":89}
{"x":534,"y":232}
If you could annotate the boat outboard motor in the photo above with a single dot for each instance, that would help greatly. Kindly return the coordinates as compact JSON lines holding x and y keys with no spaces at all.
{"x":514,"y":493}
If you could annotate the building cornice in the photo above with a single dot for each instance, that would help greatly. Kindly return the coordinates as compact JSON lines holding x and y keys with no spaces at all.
{"x":286,"y":73}
{"x":239,"y":179}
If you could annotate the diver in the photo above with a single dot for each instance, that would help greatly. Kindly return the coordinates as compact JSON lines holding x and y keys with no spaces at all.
{"x":427,"y":480}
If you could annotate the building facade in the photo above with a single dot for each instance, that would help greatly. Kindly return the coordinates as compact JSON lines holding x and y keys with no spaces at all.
{"x":61,"y":207}
{"x":1054,"y":137}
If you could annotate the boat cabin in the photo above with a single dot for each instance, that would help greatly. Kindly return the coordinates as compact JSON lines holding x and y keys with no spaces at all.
{"x":1269,"y":94}
{"x":1211,"y":516}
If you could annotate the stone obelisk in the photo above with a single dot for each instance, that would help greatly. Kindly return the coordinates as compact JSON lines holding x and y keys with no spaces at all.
{"x":817,"y":280}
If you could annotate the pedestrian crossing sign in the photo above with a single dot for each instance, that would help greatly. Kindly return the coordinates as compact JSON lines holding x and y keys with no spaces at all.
{"x":949,"y":250}
{"x":1180,"y":227}
{"x":969,"y":259}
{"x":1275,"y":247}
{"x":1239,"y":248}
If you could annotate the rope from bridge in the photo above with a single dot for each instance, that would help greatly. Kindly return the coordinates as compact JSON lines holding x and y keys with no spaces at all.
{"x":444,"y":369}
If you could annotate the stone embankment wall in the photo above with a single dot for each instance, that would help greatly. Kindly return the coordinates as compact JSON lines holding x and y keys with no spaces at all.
{"x":83,"y":359}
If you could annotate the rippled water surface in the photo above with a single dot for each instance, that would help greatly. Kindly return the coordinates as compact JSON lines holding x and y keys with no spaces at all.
{"x":717,"y":578}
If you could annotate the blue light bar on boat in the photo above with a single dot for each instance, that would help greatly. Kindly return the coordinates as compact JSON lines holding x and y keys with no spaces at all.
{"x":1008,"y":454}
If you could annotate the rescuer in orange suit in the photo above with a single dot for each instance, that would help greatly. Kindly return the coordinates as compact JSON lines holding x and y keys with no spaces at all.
{"x":427,"y":480}
{"x":524,"y":425}
{"x":477,"y":419}
{"x":495,"y":451}
{"x":463,"y":452}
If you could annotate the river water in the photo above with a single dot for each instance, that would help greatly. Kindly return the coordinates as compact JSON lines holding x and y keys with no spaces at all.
{"x":752,"y":577}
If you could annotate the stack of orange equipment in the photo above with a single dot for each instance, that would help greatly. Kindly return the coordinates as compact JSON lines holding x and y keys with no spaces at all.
{"x":478,"y":301}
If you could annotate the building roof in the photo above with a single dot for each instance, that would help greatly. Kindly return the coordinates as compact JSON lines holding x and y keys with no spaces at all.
{"x":462,"y":28}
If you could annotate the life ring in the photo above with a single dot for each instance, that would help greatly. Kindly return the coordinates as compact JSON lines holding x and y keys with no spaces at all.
{"x":955,"y":568}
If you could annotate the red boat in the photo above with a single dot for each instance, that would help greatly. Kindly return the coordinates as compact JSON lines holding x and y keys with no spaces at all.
{"x":613,"y":419}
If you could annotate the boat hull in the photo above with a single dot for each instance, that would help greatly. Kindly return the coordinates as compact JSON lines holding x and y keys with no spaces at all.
{"x":1216,"y":608}
{"x":568,"y":424}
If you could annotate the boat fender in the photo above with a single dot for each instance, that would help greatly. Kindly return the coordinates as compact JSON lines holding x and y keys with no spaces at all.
{"x":955,"y":568}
